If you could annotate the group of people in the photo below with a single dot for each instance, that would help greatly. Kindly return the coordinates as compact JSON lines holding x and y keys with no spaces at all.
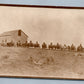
{"x":66,"y":47}
{"x":63,"y":47}
{"x":45,"y":46}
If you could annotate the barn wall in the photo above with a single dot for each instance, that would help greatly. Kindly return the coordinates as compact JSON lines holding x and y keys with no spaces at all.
{"x":22,"y":38}
{"x":5,"y":38}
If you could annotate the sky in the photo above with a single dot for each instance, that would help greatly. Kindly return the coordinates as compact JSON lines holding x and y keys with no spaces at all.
{"x":78,"y":3}
{"x":65,"y":26}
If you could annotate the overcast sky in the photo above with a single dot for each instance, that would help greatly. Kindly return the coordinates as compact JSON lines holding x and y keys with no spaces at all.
{"x":65,"y":26}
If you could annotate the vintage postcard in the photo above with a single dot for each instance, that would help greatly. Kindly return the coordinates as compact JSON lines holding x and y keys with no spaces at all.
{"x":41,"y":42}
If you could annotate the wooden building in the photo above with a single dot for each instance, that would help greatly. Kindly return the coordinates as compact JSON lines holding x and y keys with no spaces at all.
{"x":13,"y":36}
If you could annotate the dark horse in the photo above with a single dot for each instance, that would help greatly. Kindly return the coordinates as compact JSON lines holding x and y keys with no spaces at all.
{"x":80,"y":48}
{"x":36,"y":45}
{"x":44,"y":45}
{"x":51,"y":46}
{"x":58,"y":46}
{"x":30,"y":44}
{"x":10,"y":44}
{"x":73,"y":48}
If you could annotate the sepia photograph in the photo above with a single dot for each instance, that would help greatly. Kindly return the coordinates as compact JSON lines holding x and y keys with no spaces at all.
{"x":41,"y":42}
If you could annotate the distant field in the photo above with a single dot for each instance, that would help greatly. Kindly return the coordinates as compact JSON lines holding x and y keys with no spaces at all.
{"x":40,"y":62}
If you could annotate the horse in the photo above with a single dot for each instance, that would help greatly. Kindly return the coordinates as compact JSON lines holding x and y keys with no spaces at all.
{"x":10,"y":44}
{"x":19,"y":44}
{"x":44,"y":45}
{"x":24,"y":44}
{"x":51,"y":46}
{"x":73,"y":48}
{"x":58,"y":46}
{"x":30,"y":44}
{"x":80,"y":48}
{"x":36,"y":45}
{"x":65,"y":47}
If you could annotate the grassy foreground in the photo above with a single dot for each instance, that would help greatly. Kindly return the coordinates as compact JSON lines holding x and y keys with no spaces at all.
{"x":40,"y":62}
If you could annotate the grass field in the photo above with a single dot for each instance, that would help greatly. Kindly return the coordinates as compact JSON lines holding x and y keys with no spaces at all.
{"x":40,"y":62}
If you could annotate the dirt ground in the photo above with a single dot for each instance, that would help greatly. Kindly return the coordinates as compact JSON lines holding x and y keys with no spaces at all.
{"x":41,"y":63}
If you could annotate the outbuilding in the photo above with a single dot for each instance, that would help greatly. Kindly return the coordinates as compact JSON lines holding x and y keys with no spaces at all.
{"x":13,"y":36}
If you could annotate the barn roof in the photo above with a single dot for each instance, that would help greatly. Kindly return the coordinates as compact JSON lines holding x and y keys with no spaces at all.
{"x":9,"y":33}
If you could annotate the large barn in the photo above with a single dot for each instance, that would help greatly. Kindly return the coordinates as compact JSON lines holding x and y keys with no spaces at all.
{"x":14,"y":36}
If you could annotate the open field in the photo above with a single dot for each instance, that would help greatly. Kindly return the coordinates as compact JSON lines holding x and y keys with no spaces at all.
{"x":40,"y":62}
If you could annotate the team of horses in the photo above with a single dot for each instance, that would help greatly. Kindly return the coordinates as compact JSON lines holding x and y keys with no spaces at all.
{"x":45,"y":46}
